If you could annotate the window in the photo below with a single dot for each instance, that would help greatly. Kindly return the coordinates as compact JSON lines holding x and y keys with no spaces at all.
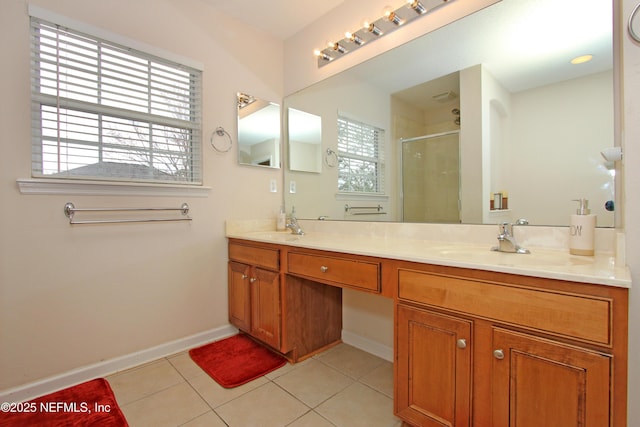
{"x":105,"y":111}
{"x":360,"y":157}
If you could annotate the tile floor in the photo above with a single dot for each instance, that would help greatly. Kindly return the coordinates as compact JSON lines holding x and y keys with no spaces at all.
{"x":341,"y":387}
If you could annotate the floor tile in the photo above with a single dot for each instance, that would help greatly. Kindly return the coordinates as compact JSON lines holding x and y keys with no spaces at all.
{"x":136,"y":383}
{"x":350,"y":360}
{"x":266,"y":406}
{"x":185,"y":365}
{"x":209,"y":419}
{"x":359,"y":406}
{"x":173,"y":406}
{"x":313,"y":383}
{"x":215,"y":395}
{"x":380,"y":379}
{"x":311,"y":419}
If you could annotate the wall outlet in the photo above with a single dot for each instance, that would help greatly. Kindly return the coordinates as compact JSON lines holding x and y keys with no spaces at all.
{"x":273,"y":186}
{"x":292,"y":187}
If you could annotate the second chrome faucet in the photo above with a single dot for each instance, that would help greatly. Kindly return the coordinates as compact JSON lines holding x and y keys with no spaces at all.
{"x":507,"y":241}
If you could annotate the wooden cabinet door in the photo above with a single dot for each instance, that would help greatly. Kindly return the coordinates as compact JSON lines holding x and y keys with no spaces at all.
{"x":239,"y":296}
{"x":433,"y":368}
{"x":265,"y":306}
{"x":538,"y":382}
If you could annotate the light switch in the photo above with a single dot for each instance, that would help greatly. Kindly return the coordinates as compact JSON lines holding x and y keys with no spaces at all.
{"x":292,"y":187}
{"x":273,"y":186}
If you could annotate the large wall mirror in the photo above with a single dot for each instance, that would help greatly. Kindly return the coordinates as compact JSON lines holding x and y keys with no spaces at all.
{"x":258,"y":131}
{"x":484,"y":120}
{"x":304,"y":141}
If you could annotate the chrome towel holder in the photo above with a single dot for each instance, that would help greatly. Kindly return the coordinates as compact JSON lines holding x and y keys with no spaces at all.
{"x":70,"y":210}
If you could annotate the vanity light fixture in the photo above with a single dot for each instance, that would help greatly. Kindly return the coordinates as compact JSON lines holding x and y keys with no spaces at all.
{"x":417,"y":6}
{"x":372,"y":30}
{"x":354,"y":38}
{"x":392,"y":16}
{"x":321,"y":55}
{"x":337,"y":47}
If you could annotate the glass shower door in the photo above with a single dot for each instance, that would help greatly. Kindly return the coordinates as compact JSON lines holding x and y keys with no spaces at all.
{"x":431,"y":178}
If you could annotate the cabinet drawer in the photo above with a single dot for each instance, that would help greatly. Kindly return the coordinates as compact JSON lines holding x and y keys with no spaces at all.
{"x":337,"y":271}
{"x":261,"y":257}
{"x":584,"y":317}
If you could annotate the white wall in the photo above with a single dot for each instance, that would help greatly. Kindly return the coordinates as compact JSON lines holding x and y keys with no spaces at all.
{"x":566,"y":147}
{"x":72,"y":296}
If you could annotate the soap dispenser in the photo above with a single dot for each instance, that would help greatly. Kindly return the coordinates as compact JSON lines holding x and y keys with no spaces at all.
{"x":582,"y":230}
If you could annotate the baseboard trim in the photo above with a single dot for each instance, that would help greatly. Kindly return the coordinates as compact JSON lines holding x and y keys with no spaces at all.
{"x":368,"y":345}
{"x":108,"y":367}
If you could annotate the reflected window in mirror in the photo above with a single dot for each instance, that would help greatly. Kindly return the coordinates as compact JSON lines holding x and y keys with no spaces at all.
{"x":258,"y":132}
{"x":305,"y":141}
{"x":360,"y":157}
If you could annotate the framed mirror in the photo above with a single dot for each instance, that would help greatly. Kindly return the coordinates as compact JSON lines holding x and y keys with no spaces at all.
{"x":304,"y":141}
{"x":258,"y":132}
{"x":528,"y":124}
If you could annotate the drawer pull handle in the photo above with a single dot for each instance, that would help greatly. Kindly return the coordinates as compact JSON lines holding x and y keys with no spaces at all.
{"x":253,"y":279}
{"x":461,"y":343}
{"x":498,"y":354}
{"x":324,"y":268}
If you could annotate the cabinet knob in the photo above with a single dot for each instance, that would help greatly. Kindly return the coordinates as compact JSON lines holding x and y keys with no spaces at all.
{"x":244,"y":276}
{"x":253,"y":279}
{"x":324,"y":268}
{"x":461,"y":343}
{"x":498,"y":354}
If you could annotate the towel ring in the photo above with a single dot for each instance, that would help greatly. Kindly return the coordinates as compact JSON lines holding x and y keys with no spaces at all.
{"x":221,"y":132}
{"x":331,"y":158}
{"x":632,"y":18}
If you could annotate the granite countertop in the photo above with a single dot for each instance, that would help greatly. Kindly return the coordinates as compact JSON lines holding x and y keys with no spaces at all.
{"x":541,"y":262}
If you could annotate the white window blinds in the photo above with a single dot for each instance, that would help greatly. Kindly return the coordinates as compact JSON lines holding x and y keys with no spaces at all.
{"x":360,"y":157}
{"x":101,"y":110}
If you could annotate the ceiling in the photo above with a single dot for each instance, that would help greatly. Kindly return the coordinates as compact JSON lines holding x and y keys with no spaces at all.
{"x":280,"y":18}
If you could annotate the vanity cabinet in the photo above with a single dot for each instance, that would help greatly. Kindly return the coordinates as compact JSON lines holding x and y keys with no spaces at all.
{"x":436,"y":347}
{"x":254,"y":292}
{"x":479,"y":348}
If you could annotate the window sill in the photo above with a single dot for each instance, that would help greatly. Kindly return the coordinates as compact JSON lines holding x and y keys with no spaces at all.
{"x":362,"y":196}
{"x":97,"y":188}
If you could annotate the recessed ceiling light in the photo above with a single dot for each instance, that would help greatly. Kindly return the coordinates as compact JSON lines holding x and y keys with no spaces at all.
{"x":582,"y":59}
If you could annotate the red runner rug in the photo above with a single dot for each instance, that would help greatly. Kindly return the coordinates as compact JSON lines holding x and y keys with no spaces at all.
{"x":236,"y":360}
{"x":87,"y":404}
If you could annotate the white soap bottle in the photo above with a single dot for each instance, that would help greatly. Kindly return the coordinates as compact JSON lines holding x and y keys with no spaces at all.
{"x":281,"y":223}
{"x":582,"y":230}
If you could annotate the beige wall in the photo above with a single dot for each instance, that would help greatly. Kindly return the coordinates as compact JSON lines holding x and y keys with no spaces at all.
{"x":77,"y":296}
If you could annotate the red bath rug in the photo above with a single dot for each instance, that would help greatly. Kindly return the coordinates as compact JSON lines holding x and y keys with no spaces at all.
{"x":87,"y":404}
{"x":236,"y":360}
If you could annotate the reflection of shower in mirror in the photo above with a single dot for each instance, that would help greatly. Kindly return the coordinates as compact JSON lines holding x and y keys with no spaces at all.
{"x":456,"y":112}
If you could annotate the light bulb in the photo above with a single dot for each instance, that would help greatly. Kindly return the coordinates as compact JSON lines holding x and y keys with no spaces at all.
{"x":321,"y":55}
{"x":354,"y":38}
{"x":337,"y":47}
{"x":417,"y":6}
{"x":371,"y":27}
{"x":390,"y":15}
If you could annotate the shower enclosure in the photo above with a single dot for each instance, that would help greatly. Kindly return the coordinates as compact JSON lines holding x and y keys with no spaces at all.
{"x":431,"y":178}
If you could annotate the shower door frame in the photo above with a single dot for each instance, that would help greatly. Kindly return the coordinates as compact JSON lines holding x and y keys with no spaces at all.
{"x":401,"y":177}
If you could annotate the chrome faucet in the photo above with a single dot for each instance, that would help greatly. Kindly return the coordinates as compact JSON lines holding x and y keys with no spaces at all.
{"x":293,"y":225}
{"x":506,"y":240}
